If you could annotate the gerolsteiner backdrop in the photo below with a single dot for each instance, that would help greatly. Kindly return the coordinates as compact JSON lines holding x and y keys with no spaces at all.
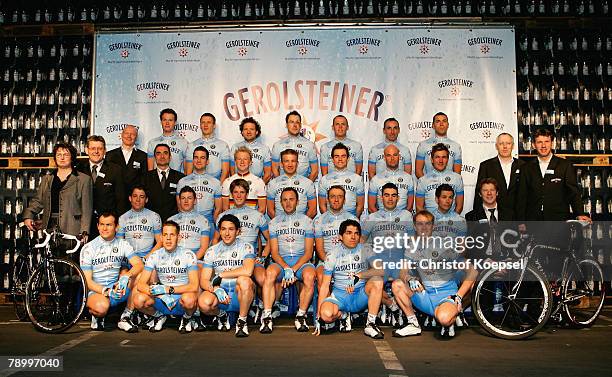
{"x":365,"y":73}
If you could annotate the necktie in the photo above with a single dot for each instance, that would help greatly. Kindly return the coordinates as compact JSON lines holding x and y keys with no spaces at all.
{"x":94,"y":172}
{"x":163,"y":180}
{"x":492,"y":219}
{"x":493,"y":226}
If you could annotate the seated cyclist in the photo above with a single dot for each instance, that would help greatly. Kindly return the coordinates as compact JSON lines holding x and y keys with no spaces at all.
{"x":101,"y":263}
{"x":176,"y":294}
{"x":232,"y":261}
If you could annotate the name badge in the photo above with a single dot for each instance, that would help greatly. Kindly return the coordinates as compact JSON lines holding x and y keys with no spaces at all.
{"x":108,"y":183}
{"x":136,"y":165}
{"x":555,"y":180}
{"x":518,"y":171}
{"x":101,"y":175}
{"x":173,"y":185}
{"x":549,"y":171}
{"x":483,"y":221}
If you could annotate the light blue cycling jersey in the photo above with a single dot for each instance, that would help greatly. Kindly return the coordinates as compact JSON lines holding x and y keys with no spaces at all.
{"x":193,"y":227}
{"x":343,"y":263}
{"x":139,"y":228}
{"x":427,"y":185}
{"x":207,"y":189}
{"x":377,"y":155}
{"x":327,"y":226}
{"x":218,"y":153}
{"x":403,"y":181}
{"x":291,"y":232}
{"x":351,"y":182}
{"x":222,"y":257}
{"x":430,"y":263}
{"x":172,"y":267}
{"x":424,"y":152}
{"x":304,"y":186}
{"x":251,"y":223}
{"x":355,"y":154}
{"x":261,"y":156}
{"x":178,"y":149}
{"x":306,"y":149}
{"x":449,"y":224}
{"x":104,"y":258}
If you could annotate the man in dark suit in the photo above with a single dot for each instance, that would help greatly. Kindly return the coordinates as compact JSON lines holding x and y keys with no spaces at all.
{"x":488,"y":221}
{"x":108,"y":186}
{"x":505,"y":170}
{"x":548,"y":186}
{"x":131,"y":160}
{"x":160,"y":184}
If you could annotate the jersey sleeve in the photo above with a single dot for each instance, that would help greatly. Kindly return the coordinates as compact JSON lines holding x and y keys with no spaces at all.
{"x":459,"y":185}
{"x":366,"y":227}
{"x":157,"y":224}
{"x":407,"y":156}
{"x":205,"y":230}
{"x":421,"y":152}
{"x":312,"y":154}
{"x":189,"y":154}
{"x":330,"y":263}
{"x":372,"y":156}
{"x":309,"y":228}
{"x":324,"y":156}
{"x":151,"y":261}
{"x":323,"y":187}
{"x":209,"y":258}
{"x":358,"y":153}
{"x":128,"y":250}
{"x":458,"y":153}
{"x":225,"y":153}
{"x":310,"y":190}
{"x":262,"y":223}
{"x":373,"y":186}
{"x":86,"y":258}
{"x":249,"y":251}
{"x":276,"y":152}
{"x":232,"y":150}
{"x":225,"y":188}
{"x":267,"y":159}
{"x":360,"y":187}
{"x":420,"y":190}
{"x":318,"y":227}
{"x":270,"y":189}
{"x":121,"y":227}
{"x":272,"y":228}
{"x":181,"y":183}
{"x":151,"y":148}
{"x":261,"y":188}
{"x":191,"y":261}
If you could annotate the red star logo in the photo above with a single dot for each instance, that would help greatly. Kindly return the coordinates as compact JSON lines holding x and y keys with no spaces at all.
{"x":302,"y":50}
{"x":363,"y":49}
{"x":125,"y":53}
{"x":485,"y":49}
{"x":152,"y":94}
{"x":424,"y":49}
{"x":455,"y":91}
{"x":425,"y":134}
{"x":183,"y":52}
{"x":242,"y":51}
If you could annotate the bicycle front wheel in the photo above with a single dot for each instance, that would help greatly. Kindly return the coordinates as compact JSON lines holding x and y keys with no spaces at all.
{"x":55,"y":295}
{"x":21,"y":273}
{"x":585,"y":292}
{"x":510,"y":306}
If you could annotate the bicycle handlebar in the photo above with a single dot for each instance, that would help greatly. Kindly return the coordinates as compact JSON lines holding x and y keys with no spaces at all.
{"x":48,"y":236}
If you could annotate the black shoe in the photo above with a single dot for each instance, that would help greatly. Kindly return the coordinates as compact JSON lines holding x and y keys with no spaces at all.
{"x":127,"y":324}
{"x":242,"y":330}
{"x":185,"y":326}
{"x":300,"y":323}
{"x":197,"y":324}
{"x":266,"y":325}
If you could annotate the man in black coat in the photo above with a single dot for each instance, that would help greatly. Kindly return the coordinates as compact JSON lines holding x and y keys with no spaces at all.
{"x":548,"y":186}
{"x":505,"y":170}
{"x":131,"y":160}
{"x":108,"y":186}
{"x":160,"y":184}
{"x":488,"y":221}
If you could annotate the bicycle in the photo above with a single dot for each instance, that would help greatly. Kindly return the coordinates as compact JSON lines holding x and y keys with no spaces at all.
{"x":56,"y":291}
{"x":516,"y":304}
{"x":23,"y":267}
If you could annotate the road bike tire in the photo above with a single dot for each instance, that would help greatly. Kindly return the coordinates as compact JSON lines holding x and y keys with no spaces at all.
{"x":512,"y":318}
{"x":19,"y":278}
{"x":55,"y":311}
{"x":584,"y":294}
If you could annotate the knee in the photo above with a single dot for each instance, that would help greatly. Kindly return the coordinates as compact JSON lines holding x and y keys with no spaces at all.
{"x":139,"y":300}
{"x":244,"y":284}
{"x":188,"y":301}
{"x":445,"y":315}
{"x":270,"y":276}
{"x":327,"y":312}
{"x":397,"y":286}
{"x":377,"y":283}
{"x":309,"y":278}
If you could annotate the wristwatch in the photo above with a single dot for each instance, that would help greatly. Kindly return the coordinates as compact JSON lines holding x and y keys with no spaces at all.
{"x":171,"y":290}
